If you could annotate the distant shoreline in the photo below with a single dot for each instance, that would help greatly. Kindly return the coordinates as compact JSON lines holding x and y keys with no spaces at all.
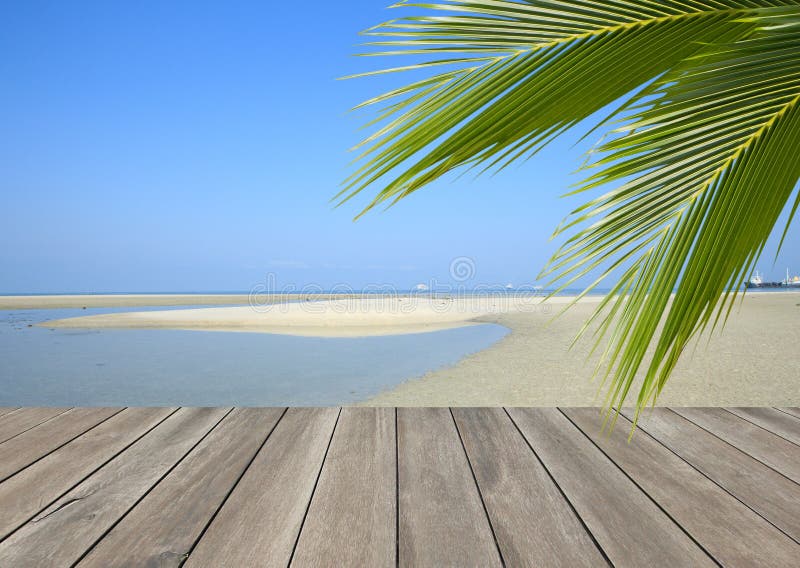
{"x":122,"y":300}
{"x":55,"y":301}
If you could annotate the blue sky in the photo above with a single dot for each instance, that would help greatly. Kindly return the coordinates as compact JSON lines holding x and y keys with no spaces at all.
{"x":194,"y":146}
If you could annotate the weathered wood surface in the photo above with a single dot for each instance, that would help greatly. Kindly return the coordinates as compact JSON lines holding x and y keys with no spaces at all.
{"x":163,"y":528}
{"x":769,"y":493}
{"x":772,"y":420}
{"x":409,"y":487}
{"x":730,"y":531}
{"x":351,"y":520}
{"x":793,"y":411}
{"x":7,"y":409}
{"x":259,"y":523}
{"x":614,"y":509}
{"x":770,"y":449}
{"x":61,"y":534}
{"x":442,"y":520}
{"x":34,"y":488}
{"x":24,"y":449}
{"x":22,"y":420}
{"x":525,"y":504}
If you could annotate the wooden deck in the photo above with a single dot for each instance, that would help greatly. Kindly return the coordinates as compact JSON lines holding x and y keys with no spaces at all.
{"x":384,"y":487}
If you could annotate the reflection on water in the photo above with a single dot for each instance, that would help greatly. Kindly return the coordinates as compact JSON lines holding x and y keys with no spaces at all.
{"x":72,"y":367}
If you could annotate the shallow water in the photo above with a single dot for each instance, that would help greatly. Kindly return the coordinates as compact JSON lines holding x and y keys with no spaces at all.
{"x":129,"y":367}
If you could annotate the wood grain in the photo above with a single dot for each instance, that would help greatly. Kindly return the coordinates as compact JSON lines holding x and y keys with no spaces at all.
{"x":22,"y":450}
{"x":781,"y":455}
{"x":775,"y":421}
{"x":30,"y":491}
{"x":769,"y":493}
{"x":534,"y":524}
{"x":259,"y":523}
{"x":15,"y":423}
{"x":351,"y":520}
{"x":731,"y":532}
{"x":792,"y":411}
{"x":412,"y":487}
{"x":6,"y":409}
{"x":63,"y":532}
{"x":621,"y":517}
{"x":162,"y":529}
{"x":442,"y":521}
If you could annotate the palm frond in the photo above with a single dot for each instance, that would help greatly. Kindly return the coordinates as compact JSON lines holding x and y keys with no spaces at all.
{"x":711,"y":165}
{"x":560,"y":62}
{"x":702,"y":155}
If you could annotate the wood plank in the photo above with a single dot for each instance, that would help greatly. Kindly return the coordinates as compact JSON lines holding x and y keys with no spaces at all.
{"x":351,"y":520}
{"x":34,"y":488}
{"x":775,"y":421}
{"x":15,"y":423}
{"x":260,"y":521}
{"x":442,"y":521}
{"x":793,"y":411}
{"x":6,"y":409}
{"x":23,"y":450}
{"x":163,"y":527}
{"x":781,"y":455}
{"x":63,"y":532}
{"x":770,"y":494}
{"x":534,"y":524}
{"x":730,"y":531}
{"x":628,"y":526}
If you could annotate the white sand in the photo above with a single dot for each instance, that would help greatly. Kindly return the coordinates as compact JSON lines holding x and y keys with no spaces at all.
{"x":755,"y":361}
{"x":345,"y":317}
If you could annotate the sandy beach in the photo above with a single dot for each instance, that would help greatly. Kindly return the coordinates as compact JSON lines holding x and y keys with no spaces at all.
{"x":340,"y":317}
{"x":752,"y":363}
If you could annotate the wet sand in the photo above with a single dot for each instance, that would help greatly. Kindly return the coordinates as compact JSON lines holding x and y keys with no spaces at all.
{"x":755,"y":361}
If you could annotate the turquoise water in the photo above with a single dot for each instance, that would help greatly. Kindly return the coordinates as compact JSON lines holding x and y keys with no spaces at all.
{"x":73,"y":367}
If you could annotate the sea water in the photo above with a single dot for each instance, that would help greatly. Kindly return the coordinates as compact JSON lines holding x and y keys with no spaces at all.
{"x":141,"y":367}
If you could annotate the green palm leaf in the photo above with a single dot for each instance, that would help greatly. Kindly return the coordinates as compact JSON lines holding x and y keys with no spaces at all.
{"x":702,"y":161}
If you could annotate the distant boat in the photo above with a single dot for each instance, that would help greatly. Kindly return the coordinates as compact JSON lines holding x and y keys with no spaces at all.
{"x":420,"y":288}
{"x":755,"y":281}
{"x":509,"y":286}
{"x":758,"y":282}
{"x":791,"y":282}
